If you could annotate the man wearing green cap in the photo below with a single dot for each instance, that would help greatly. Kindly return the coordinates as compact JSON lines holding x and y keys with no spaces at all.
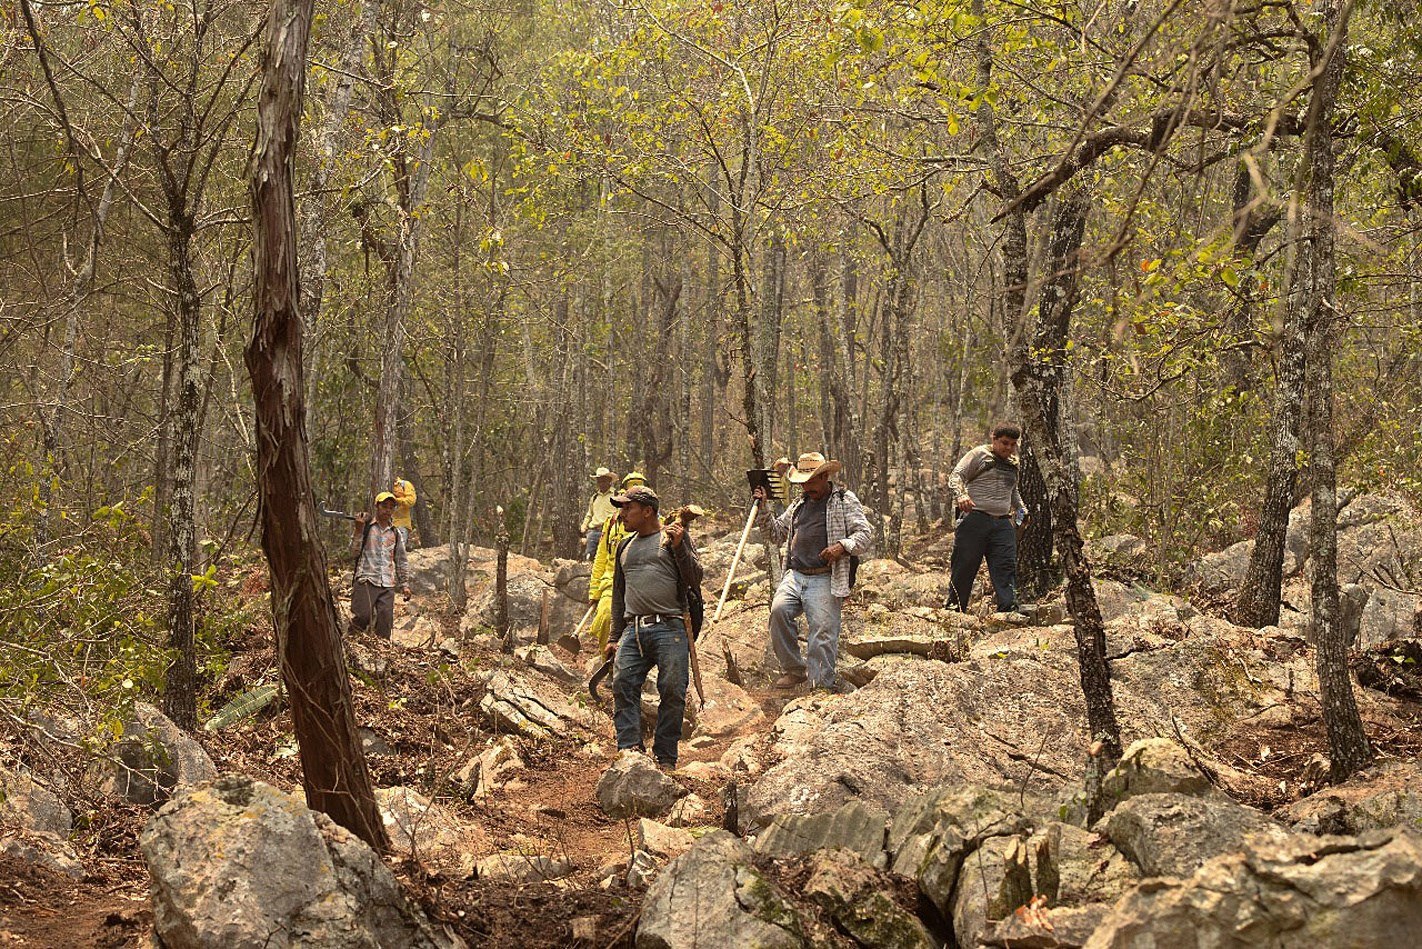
{"x":381,"y":565}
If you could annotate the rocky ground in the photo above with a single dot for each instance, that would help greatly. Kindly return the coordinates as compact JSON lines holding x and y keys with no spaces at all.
{"x":938,"y":803}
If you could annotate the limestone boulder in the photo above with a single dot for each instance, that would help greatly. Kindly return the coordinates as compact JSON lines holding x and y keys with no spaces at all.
{"x":40,"y":849}
{"x":857,"y":898}
{"x":920,"y":724}
{"x":235,"y":863}
{"x":487,"y":771}
{"x":1153,"y":766}
{"x":530,"y":705}
{"x":1382,"y":797}
{"x":1386,"y":616}
{"x":1059,"y":880}
{"x":663,"y":840}
{"x":27,"y":803}
{"x":635,"y":787}
{"x":513,"y":866}
{"x":712,"y":895}
{"x":154,"y":759}
{"x":1305,"y":892}
{"x":525,"y":597}
{"x":855,"y":827}
{"x":935,"y":833}
{"x":1174,"y":834}
{"x":426,"y":831}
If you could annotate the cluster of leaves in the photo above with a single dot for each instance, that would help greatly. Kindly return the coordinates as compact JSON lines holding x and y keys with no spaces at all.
{"x":82,"y":627}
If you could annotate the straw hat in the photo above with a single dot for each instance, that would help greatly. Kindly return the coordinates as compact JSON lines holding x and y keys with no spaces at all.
{"x":603,"y":473}
{"x":809,"y":464}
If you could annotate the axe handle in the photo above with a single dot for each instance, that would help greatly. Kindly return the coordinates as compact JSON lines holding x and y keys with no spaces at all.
{"x":578,"y":631}
{"x":695,"y":661}
{"x":736,"y":560}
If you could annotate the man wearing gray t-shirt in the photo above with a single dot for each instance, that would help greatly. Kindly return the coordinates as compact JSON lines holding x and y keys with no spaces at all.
{"x":652,"y":571}
{"x":984,"y":484}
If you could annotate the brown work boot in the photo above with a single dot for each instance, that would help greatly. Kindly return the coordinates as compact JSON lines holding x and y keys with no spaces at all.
{"x":789,"y":680}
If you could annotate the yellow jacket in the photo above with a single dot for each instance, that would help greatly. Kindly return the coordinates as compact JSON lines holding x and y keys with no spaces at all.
{"x":405,"y":499}
{"x":600,"y":583}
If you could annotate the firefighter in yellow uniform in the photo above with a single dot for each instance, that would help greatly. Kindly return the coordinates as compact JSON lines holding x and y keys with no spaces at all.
{"x":405,"y":499}
{"x":600,"y":583}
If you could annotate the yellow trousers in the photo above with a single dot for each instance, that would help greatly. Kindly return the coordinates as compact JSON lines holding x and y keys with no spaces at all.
{"x":602,"y":620}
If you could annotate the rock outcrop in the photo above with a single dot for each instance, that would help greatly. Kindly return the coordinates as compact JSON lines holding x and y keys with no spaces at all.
{"x":236,"y":863}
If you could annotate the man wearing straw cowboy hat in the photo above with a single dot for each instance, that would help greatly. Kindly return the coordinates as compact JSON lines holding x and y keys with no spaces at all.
{"x":823,"y":530}
{"x":600,"y":509}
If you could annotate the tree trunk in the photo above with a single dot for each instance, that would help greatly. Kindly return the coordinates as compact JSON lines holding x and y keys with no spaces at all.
{"x":1037,"y":379}
{"x":313,"y":665}
{"x":1036,"y":572}
{"x":180,"y":679}
{"x":1348,"y":748}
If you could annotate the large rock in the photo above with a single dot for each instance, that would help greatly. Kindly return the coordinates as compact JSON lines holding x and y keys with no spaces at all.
{"x":530,"y":706}
{"x":486,"y":772}
{"x":712,"y":895}
{"x":1304,"y":893}
{"x":919,"y":724}
{"x":936,"y":833}
{"x":1153,"y":766}
{"x":856,"y":897}
{"x":154,"y":759}
{"x":30,"y":805}
{"x":1377,"y":533}
{"x":1072,"y":875}
{"x":513,"y":866}
{"x":1382,"y":797}
{"x":426,"y":831}
{"x":729,"y":710}
{"x":1173,"y":834}
{"x":1225,"y":570}
{"x":1387,"y":615}
{"x":35,"y":824}
{"x":525,"y":595}
{"x":237,"y":863}
{"x":855,"y":827}
{"x":634,"y":787}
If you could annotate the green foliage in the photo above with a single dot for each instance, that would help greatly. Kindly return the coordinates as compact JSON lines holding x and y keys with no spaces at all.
{"x":83,"y":626}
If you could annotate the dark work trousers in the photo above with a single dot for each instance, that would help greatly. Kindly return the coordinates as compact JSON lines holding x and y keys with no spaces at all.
{"x":980,"y":534}
{"x":369,"y":600}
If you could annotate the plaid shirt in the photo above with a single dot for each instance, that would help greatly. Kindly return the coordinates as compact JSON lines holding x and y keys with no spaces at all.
{"x":845,"y":524}
{"x":382,"y":561}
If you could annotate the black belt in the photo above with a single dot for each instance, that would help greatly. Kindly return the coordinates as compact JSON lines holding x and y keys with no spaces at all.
{"x":648,"y":619}
{"x":996,"y":517}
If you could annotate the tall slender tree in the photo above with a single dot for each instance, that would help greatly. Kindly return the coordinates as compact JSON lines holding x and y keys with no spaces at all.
{"x":313,"y":665}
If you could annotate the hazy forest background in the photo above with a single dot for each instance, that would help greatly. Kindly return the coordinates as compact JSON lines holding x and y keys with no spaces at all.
{"x":690,"y":237}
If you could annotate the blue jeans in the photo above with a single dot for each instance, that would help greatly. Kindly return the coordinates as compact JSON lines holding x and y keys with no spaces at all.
{"x":590,"y":548}
{"x":810,"y":595}
{"x":980,"y":535}
{"x":654,"y":644}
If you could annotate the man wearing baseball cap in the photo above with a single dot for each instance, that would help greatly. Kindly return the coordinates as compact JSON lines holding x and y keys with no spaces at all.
{"x":652,"y":571}
{"x":381,"y":565}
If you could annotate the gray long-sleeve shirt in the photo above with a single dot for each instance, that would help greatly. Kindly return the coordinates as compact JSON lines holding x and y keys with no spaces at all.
{"x":989,"y":481}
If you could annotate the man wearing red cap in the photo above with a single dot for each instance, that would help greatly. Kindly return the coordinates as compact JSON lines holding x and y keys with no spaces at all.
{"x":379,"y":551}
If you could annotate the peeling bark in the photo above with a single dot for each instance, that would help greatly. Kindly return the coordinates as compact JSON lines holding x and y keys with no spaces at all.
{"x":334,"y":772}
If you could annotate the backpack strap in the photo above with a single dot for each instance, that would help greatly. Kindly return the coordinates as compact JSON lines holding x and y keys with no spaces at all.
{"x":364,"y":539}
